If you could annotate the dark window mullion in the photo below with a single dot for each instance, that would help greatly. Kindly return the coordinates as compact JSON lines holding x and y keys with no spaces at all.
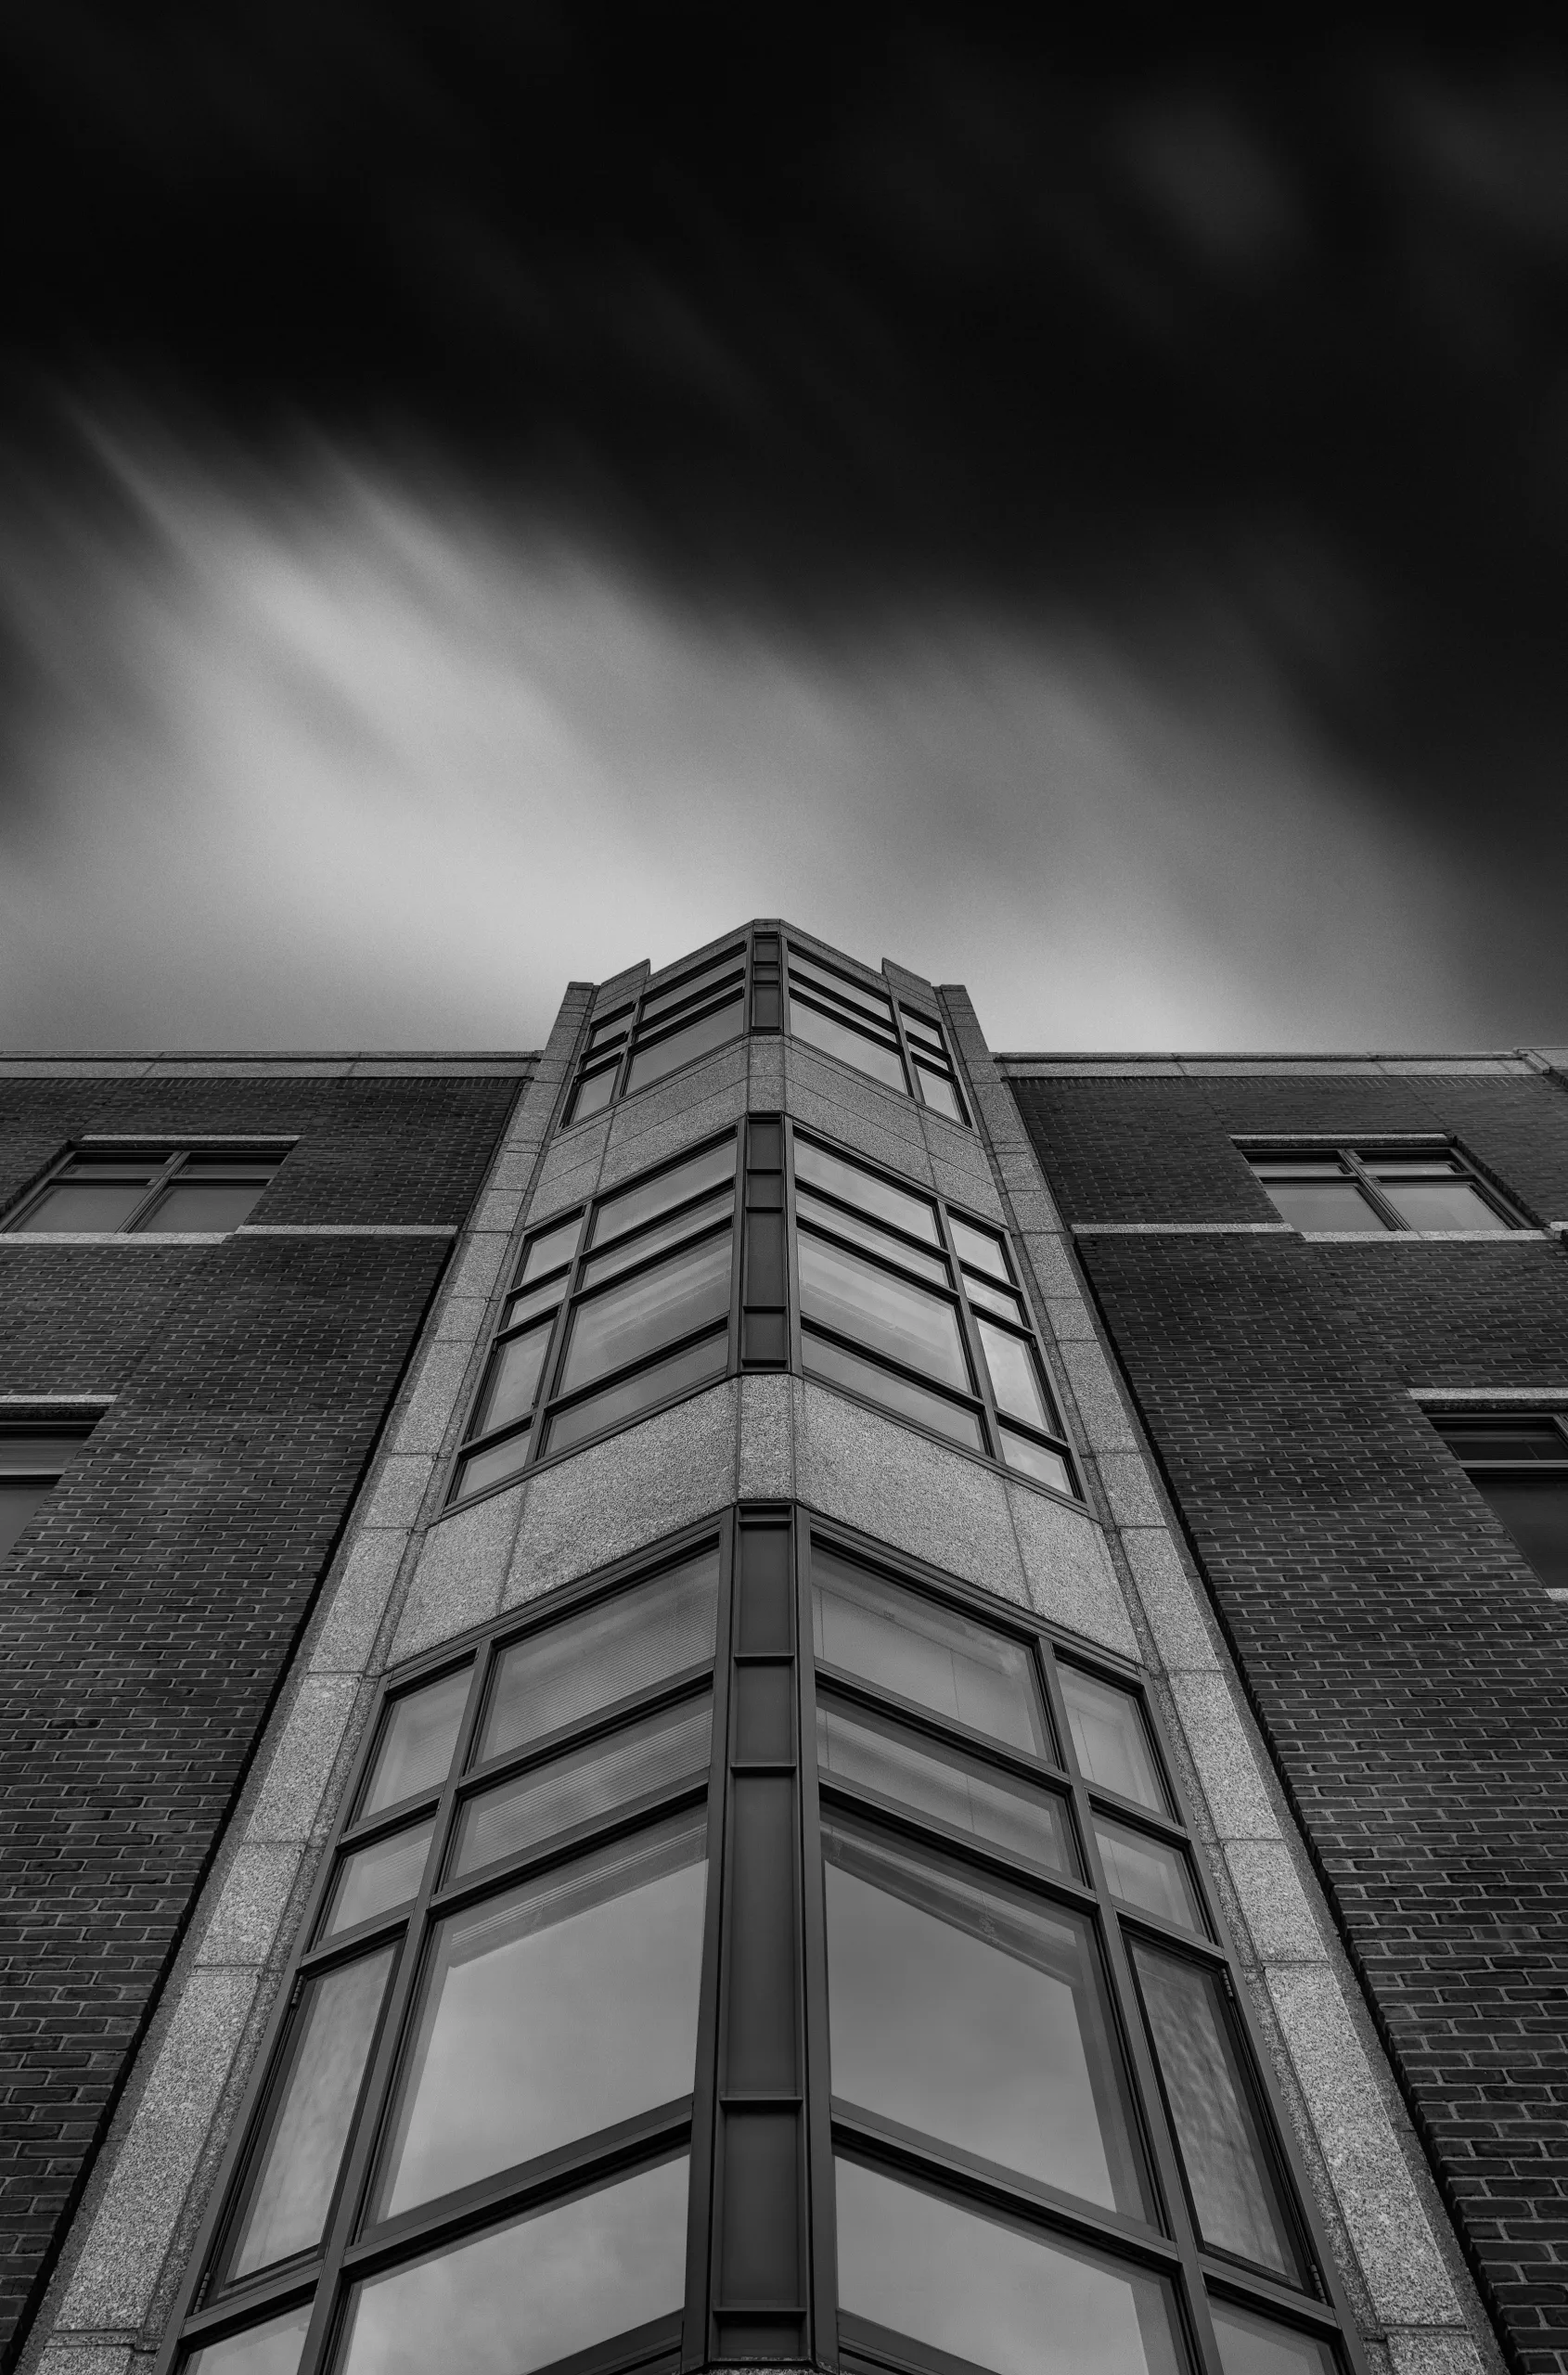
{"x":880,"y":1360}
{"x":874,"y":1220}
{"x":375,"y":2092}
{"x":853,"y":1018}
{"x":156,"y":1186}
{"x":669,"y":1690}
{"x":704,"y":2092}
{"x":838,"y":1685}
{"x":822,"y":2232}
{"x":972,"y":1334}
{"x":963,"y":1848}
{"x":815,"y":1226}
{"x":710,"y":1226}
{"x":1373,"y":1190}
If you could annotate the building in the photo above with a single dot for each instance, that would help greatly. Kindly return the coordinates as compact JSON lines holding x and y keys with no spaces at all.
{"x":767,"y":1688}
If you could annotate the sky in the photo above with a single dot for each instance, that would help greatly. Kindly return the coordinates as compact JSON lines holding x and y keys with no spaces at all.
{"x":488,"y":495}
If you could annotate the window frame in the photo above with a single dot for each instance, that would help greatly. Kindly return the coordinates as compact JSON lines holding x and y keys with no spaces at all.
{"x":616,"y":1056}
{"x":902,"y":1008}
{"x":1356,"y":1158}
{"x":746,"y":1347}
{"x":34,"y":1424}
{"x":1540,"y":1473}
{"x":1165,"y":2244}
{"x":167,"y":1161}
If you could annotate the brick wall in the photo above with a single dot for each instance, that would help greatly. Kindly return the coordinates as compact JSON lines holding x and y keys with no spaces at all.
{"x":1408,"y":1671}
{"x":146,"y":1614}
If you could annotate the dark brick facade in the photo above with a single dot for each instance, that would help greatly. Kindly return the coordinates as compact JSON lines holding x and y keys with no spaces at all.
{"x":147,"y":1613}
{"x":1410,"y":1673}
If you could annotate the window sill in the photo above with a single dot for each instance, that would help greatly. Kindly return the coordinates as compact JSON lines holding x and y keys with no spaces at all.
{"x":116,"y":1236}
{"x":1424,"y":1236}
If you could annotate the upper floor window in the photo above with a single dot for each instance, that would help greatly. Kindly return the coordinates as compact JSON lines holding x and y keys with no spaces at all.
{"x":34,"y":1454}
{"x":762,"y":1953}
{"x":1320,"y":1188}
{"x":116,"y":1190}
{"x":651,"y":1292}
{"x":1519,"y":1465}
{"x":767,"y":983}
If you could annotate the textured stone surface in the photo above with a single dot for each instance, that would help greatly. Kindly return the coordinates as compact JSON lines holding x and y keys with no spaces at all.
{"x":1268,"y":1889}
{"x":695,"y":1117}
{"x":300,"y":1766}
{"x":427,"y":1412}
{"x":255,"y":1894}
{"x":1223,"y":1754}
{"x":358,"y":1604}
{"x":613,"y":1497}
{"x":398,"y":1491}
{"x":1170,"y":1602}
{"x":1100,"y":1407}
{"x":1068,"y":1571}
{"x":1406,"y":2277}
{"x":68,"y":2357}
{"x":767,"y":1466}
{"x":460,"y":1575}
{"x":113,"y":2280}
{"x":1433,"y":2351}
{"x":1129,"y":1489}
{"x":854,"y":1464}
{"x":479,"y":1264}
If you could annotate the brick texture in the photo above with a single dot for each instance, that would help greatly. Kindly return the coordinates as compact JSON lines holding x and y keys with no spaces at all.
{"x":147,"y":1612}
{"x":1410,"y":1673}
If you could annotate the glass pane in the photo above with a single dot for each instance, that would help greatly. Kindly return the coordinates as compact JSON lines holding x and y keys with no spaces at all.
{"x":1414,"y":1166}
{"x":654,"y":1058}
{"x":727,"y":966}
{"x":960,"y":2008}
{"x":1535,"y":1510}
{"x":26,"y":1451}
{"x":193,"y":1204}
{"x":1442,"y":1203}
{"x":378,"y":1879}
{"x":924,"y":1779}
{"x":933,"y":1656}
{"x":1000,"y":1300}
{"x":879,"y":1057}
{"x":979,"y":1249}
{"x":1014,"y":1378}
{"x":1038,"y":1460}
{"x":837,"y":1367}
{"x":1108,"y":1738}
{"x":530,"y":1302}
{"x":1149,"y":1873}
{"x":1001,"y":2297}
{"x":604,"y":1653}
{"x":650,"y":1755}
{"x":1335,"y":1204}
{"x":631,"y":1206}
{"x":334,"y":2024}
{"x":836,"y":1177}
{"x":938,"y":1092}
{"x":594,"y":1093}
{"x":613,"y":1258}
{"x":1297,"y":1166}
{"x":1253,"y":2345}
{"x":806,"y":973}
{"x":619,"y":1404}
{"x":272,"y":2349}
{"x":85,"y":1204}
{"x":552,"y":1250}
{"x":418,"y":1739}
{"x":512,"y":1379}
{"x":16,"y":1504}
{"x":925,"y":1033}
{"x":559,"y":2008}
{"x":675,"y":1298}
{"x":812,"y":1207}
{"x":1229,"y":2173}
{"x":609,"y":1027}
{"x":493,"y":1467}
{"x":1520,"y":1439}
{"x":887,"y":1313}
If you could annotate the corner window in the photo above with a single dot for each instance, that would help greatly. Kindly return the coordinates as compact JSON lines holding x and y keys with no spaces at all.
{"x":637,"y":1040}
{"x":191,"y":1189}
{"x":1370,"y":1189}
{"x":860,"y":1023}
{"x":741,"y":1979}
{"x":34,"y":1455}
{"x":1520,"y":1467}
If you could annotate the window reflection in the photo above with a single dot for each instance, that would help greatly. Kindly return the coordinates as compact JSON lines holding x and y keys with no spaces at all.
{"x":1250,"y":2344}
{"x":378,"y":1879}
{"x":605,"y":1652}
{"x":872,"y":1306}
{"x":549,"y":2013}
{"x":272,"y":2348}
{"x":1149,"y":1873}
{"x":914,"y":1774}
{"x":995,"y":2296}
{"x":418,"y":1739}
{"x":672,"y":1746}
{"x":625,"y":1323}
{"x":922,"y":1651}
{"x":522,"y":2296}
{"x":1110,"y":1738}
{"x":958,"y":2007}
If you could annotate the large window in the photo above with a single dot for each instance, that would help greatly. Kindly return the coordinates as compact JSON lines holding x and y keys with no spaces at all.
{"x":1370,"y":1189}
{"x":34,"y":1455}
{"x":1519,"y":1465}
{"x":766,"y":982}
{"x":194,"y":1188}
{"x":854,"y":1998}
{"x":648,"y":1293}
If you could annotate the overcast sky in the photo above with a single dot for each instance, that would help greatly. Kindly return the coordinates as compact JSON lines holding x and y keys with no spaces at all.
{"x":490,"y":495}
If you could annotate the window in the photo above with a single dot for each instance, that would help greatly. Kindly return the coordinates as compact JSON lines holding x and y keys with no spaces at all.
{"x":650,"y":1293}
{"x":860,"y":1023}
{"x":33,"y":1454}
{"x":908,"y":1303}
{"x":1372,"y":1188}
{"x":637,"y":1039}
{"x":1520,"y":1467}
{"x":94,"y":1190}
{"x":628,"y":2033}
